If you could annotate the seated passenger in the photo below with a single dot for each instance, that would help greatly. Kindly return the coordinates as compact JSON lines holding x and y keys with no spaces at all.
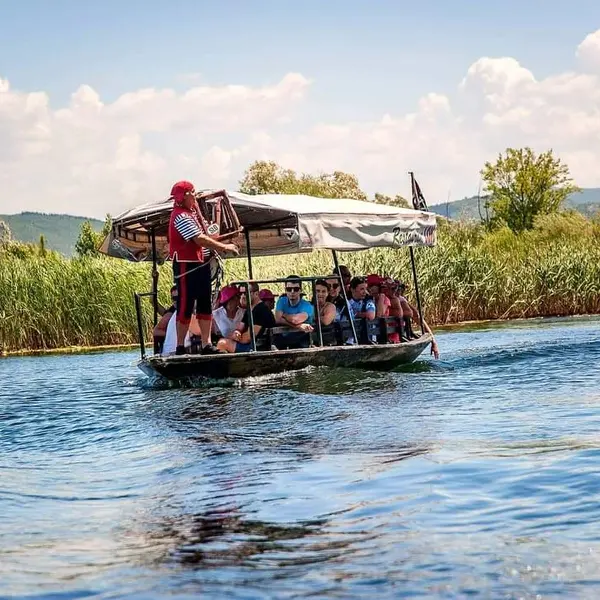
{"x":268,"y":298}
{"x":409,"y":312}
{"x":346,"y":277}
{"x":262,"y":317}
{"x":293,"y":311}
{"x":160,"y":330}
{"x":163,"y":310}
{"x":378,"y":288}
{"x":335,"y":296}
{"x":326,"y":311}
{"x":361,"y":304}
{"x":170,"y":343}
{"x":229,"y":315}
{"x":382,"y":302}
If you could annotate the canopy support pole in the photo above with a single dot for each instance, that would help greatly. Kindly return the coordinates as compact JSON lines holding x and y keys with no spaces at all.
{"x":154,"y":276}
{"x":250,"y":318}
{"x":350,"y":318}
{"x":416,"y":284}
{"x":248,"y":301}
{"x":248,"y":253}
{"x":318,"y":312}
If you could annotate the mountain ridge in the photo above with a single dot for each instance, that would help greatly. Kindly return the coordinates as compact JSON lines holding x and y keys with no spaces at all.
{"x":587,"y":202}
{"x":60,"y":231}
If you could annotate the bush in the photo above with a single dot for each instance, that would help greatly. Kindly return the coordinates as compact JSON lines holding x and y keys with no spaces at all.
{"x":554,"y":269}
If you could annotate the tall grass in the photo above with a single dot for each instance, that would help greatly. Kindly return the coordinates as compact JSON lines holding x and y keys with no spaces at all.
{"x":48,"y":301}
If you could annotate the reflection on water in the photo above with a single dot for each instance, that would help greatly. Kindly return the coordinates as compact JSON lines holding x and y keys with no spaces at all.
{"x":476,"y":475}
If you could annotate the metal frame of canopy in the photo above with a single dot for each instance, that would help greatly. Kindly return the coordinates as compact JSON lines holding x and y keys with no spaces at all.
{"x":142,"y":225}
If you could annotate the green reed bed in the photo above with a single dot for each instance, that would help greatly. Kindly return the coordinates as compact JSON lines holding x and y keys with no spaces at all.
{"x":48,"y":301}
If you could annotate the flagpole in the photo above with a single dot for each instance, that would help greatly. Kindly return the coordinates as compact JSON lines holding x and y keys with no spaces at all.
{"x":416,"y":202}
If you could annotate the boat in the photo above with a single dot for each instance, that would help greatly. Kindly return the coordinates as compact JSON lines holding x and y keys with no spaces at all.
{"x":276,"y":225}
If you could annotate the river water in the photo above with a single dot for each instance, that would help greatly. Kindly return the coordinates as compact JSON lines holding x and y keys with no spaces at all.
{"x":476,"y":476}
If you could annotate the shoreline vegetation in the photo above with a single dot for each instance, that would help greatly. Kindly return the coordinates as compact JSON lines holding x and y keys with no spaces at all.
{"x":473,"y":274}
{"x":527,"y":258}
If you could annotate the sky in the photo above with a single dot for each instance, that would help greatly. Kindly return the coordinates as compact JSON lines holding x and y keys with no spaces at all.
{"x":104,"y":105}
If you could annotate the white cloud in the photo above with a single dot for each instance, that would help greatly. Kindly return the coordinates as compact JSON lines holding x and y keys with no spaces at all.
{"x":588,"y":52}
{"x":91,"y":157}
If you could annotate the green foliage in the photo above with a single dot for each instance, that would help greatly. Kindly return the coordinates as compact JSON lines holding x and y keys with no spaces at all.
{"x":472,"y":274}
{"x":89,"y":241}
{"x":397,"y":200}
{"x":267,"y":177}
{"x":53,"y":301}
{"x":522,"y":186}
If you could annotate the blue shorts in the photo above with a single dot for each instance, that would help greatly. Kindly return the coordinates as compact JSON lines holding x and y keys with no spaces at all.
{"x":239,"y":347}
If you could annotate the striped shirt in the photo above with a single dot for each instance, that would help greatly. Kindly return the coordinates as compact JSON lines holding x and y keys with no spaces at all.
{"x":188,"y":228}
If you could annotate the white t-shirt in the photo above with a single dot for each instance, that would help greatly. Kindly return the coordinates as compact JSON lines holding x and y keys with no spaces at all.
{"x":223,"y":324}
{"x":170,"y":344}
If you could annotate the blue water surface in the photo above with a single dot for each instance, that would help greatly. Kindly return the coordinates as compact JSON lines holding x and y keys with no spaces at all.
{"x":475,"y":476}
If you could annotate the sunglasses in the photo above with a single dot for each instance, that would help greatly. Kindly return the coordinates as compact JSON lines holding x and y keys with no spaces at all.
{"x":295,"y":288}
{"x":335,"y":286}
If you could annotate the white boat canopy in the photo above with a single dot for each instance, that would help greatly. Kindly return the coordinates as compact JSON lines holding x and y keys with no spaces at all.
{"x":282,"y":224}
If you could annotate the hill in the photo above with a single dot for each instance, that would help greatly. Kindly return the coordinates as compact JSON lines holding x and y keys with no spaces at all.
{"x":59,"y":231}
{"x":586,"y":202}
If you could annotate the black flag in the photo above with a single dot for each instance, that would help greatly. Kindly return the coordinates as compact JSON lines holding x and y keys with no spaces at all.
{"x":418,"y":199}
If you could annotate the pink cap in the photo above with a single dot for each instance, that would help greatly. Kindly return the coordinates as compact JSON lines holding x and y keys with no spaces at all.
{"x":227,"y":293}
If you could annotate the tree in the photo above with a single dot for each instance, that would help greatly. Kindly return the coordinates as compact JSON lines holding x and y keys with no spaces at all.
{"x":86,"y":244}
{"x":267,"y":177}
{"x":5,"y":234}
{"x":42,"y":245}
{"x":397,"y":200}
{"x":106,"y":227}
{"x":522,"y":186}
{"x":89,"y":241}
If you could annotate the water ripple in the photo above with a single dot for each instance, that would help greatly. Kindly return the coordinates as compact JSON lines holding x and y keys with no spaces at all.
{"x":474,"y":476}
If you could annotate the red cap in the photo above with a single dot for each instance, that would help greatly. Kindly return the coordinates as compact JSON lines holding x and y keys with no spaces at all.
{"x":266,"y":294}
{"x":374,"y":280}
{"x":179,"y":190}
{"x":227,"y":293}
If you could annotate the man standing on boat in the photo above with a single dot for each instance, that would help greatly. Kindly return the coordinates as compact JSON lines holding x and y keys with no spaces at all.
{"x":189,"y":248}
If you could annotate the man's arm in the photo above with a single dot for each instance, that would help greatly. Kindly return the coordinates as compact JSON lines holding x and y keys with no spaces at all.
{"x":381,"y":306}
{"x":297,"y":319}
{"x":205,"y":241}
{"x":290,"y":320}
{"x":189,"y":229}
{"x":245,"y":337}
{"x":368,"y":314}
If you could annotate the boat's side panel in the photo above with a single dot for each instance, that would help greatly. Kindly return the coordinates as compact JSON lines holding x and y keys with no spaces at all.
{"x":265,"y":363}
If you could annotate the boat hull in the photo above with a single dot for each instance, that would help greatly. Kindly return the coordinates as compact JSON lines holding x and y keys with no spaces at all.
{"x":253,"y":364}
